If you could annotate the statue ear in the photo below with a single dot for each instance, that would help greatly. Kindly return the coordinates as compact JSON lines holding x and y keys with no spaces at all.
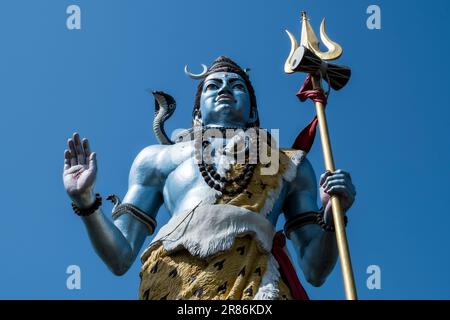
{"x":253,"y":116}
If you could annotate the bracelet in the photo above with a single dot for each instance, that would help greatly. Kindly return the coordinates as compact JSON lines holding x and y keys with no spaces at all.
{"x":137,"y":213}
{"x":299,"y":221}
{"x":88,"y":211}
{"x":321,"y":222}
{"x":309,"y":218}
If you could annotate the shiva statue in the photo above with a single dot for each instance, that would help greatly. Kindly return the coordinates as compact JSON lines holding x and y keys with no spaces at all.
{"x":220,"y":242}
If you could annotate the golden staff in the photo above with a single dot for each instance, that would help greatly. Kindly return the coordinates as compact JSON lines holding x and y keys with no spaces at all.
{"x":308,"y":58}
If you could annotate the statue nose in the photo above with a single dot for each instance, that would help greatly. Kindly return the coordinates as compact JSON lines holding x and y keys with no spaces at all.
{"x":225,"y":90}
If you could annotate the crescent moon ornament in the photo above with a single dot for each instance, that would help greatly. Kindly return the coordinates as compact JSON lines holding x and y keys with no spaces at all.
{"x":198,"y":75}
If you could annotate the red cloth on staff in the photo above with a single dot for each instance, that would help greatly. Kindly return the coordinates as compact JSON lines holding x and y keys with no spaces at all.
{"x":286,"y":268}
{"x":305,"y":139}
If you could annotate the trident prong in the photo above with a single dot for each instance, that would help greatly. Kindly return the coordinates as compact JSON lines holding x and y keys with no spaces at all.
{"x":309,"y":40}
{"x":294,"y":46}
{"x":334,"y":50}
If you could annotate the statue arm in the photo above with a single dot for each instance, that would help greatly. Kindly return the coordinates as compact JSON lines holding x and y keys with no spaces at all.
{"x":118,"y":242}
{"x":316,"y":249}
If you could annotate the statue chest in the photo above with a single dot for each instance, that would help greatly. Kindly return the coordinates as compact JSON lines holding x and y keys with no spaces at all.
{"x":184,"y":188}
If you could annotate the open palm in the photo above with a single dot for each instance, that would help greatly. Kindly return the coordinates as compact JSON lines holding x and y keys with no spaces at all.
{"x":80,"y":168}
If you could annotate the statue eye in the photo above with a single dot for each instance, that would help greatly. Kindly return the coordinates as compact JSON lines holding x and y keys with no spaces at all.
{"x":238,"y":86}
{"x":211,"y":86}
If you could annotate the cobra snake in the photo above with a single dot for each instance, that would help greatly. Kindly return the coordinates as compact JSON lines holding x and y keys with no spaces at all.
{"x":165,"y":106}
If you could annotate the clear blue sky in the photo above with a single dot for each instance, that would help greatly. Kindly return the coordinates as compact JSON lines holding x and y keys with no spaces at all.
{"x":389,"y":125}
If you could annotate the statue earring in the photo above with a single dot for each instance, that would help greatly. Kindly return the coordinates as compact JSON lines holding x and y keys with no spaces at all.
{"x":197,"y":121}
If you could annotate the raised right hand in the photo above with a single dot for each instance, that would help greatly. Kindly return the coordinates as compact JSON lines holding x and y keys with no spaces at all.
{"x":80,"y":171}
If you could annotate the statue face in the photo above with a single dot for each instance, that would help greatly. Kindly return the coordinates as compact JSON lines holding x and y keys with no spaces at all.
{"x":225,"y":100}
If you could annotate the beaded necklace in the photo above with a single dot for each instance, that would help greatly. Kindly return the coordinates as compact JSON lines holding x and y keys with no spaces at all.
{"x":211,"y":175}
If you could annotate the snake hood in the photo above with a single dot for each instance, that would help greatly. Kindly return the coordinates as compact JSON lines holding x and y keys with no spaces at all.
{"x":165,"y":106}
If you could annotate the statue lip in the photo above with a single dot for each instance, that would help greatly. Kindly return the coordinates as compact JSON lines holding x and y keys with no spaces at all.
{"x":225,"y":97}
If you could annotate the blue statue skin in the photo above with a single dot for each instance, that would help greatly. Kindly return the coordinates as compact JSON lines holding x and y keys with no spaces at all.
{"x":168,"y":174}
{"x":233,"y":108}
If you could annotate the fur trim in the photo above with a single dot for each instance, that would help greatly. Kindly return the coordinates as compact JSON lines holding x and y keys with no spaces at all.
{"x":210,"y":229}
{"x":288,"y":175}
{"x":296,"y":157}
{"x":268,"y":289}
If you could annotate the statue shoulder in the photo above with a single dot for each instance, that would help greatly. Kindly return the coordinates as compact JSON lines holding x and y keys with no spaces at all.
{"x":154,"y":163}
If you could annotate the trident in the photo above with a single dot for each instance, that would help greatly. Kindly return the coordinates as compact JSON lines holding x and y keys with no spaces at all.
{"x":309,"y":59}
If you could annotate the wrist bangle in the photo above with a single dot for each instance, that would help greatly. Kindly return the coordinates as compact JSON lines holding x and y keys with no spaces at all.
{"x":321,"y":222}
{"x":90,"y":210}
{"x":299,"y":221}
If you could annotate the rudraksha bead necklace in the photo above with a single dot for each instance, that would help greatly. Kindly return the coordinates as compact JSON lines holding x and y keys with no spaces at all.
{"x":213,"y":178}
